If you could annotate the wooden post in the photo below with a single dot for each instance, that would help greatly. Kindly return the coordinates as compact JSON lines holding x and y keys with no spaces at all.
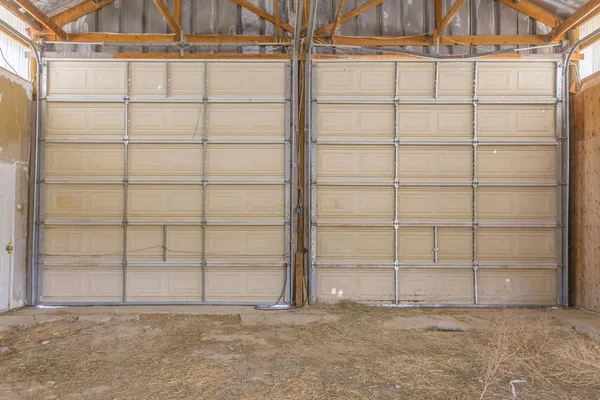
{"x":300,"y":294}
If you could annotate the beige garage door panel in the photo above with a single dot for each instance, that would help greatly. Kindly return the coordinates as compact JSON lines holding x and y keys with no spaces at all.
{"x":147,"y":79}
{"x":355,"y":203}
{"x":356,"y":245}
{"x":89,"y":202}
{"x":244,"y":284}
{"x":84,"y":120}
{"x":435,"y":204}
{"x":517,"y":245}
{"x":97,"y":242}
{"x":84,"y":160}
{"x":355,"y":121}
{"x":186,"y":79}
{"x":165,"y":121}
{"x":516,"y":121}
{"x":442,"y":286}
{"x":435,"y":162}
{"x":246,"y":161}
{"x":83,"y":284}
{"x":418,"y":244}
{"x":533,"y":204}
{"x":517,"y":286}
{"x":87,"y":78}
{"x":256,"y":80}
{"x":245,"y":243}
{"x":248,"y":202}
{"x":366,"y":284}
{"x":416,"y":82}
{"x":184,"y":243}
{"x":455,"y":79}
{"x":415,"y":245}
{"x":516,"y":79}
{"x":152,"y":202}
{"x":455,"y":244}
{"x":155,"y":161}
{"x":164,"y":284}
{"x":372,"y":162}
{"x":355,"y":79}
{"x":265,"y":120}
{"x":427,"y":122}
{"x":516,"y":163}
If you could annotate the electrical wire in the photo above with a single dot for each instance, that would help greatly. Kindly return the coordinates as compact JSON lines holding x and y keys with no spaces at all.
{"x":7,"y":63}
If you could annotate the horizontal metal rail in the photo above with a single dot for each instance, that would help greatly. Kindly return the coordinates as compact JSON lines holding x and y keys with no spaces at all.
{"x":98,"y":261}
{"x":437,"y":183}
{"x":149,"y":303}
{"x":189,"y":221}
{"x":434,"y":265}
{"x":157,"y":99}
{"x":159,"y":181}
{"x":450,"y":142}
{"x":198,"y":141}
{"x":508,"y":224}
{"x":438,"y":101}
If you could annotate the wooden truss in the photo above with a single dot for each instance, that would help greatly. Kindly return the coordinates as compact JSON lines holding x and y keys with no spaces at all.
{"x":50,"y":28}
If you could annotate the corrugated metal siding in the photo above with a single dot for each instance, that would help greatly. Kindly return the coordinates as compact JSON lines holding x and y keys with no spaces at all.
{"x":591,"y":62}
{"x":13,"y":51}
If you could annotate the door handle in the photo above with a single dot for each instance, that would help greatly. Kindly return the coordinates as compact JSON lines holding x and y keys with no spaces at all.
{"x":9,"y":248}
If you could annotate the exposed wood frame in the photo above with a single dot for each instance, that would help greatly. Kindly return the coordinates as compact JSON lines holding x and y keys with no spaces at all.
{"x":164,"y":10}
{"x":349,"y":15}
{"x":15,"y":9}
{"x":83,"y":8}
{"x":233,"y":56}
{"x":579,"y":17}
{"x":236,"y":39}
{"x":105,"y":37}
{"x":177,"y":11}
{"x":439,"y":12}
{"x":589,"y":42}
{"x":534,"y":11}
{"x":263,"y":14}
{"x":276,"y":12}
{"x":441,"y":27}
{"x":424,"y":40}
{"x":338,"y":17}
{"x":14,"y":37}
{"x":42,"y":18}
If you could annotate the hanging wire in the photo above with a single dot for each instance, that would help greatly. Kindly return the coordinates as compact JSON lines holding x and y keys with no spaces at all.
{"x":7,"y":63}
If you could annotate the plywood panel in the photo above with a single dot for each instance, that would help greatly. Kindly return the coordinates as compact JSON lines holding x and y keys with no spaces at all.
{"x":516,"y":163}
{"x":164,"y":284}
{"x":356,"y":245}
{"x":415,"y":245}
{"x":372,"y":162}
{"x":78,"y":285}
{"x":364,"y":284}
{"x":244,"y":120}
{"x":250,"y":161}
{"x":155,"y":161}
{"x":167,"y":121}
{"x":455,"y":79}
{"x":517,"y":286}
{"x":416,"y":82}
{"x":249,"y":243}
{"x":104,"y":242}
{"x":244,"y":284}
{"x":89,"y":202}
{"x":435,"y":286}
{"x":157,"y":202}
{"x":429,"y":122}
{"x":86,"y":78}
{"x":516,"y":79}
{"x":241,"y":80}
{"x":355,"y":203}
{"x":84,"y":120}
{"x":84,"y":160}
{"x":514,"y":122}
{"x":531,"y":204}
{"x":186,"y":79}
{"x":435,"y":162}
{"x":245,"y":202}
{"x":517,"y":244}
{"x":147,"y":78}
{"x":355,"y":121}
{"x":435,"y":204}
{"x":356,"y":79}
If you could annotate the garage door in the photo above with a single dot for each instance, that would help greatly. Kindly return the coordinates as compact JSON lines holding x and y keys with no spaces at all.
{"x":165,"y":181}
{"x":436,"y":182}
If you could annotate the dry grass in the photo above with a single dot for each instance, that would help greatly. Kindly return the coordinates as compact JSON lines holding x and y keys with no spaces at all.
{"x":357,"y":357}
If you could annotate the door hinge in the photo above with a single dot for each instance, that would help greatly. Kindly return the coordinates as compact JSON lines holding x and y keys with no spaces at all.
{"x":9,"y":248}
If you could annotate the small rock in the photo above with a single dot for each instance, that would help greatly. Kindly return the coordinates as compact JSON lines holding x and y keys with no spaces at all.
{"x":51,"y":383}
{"x":398,"y":386}
{"x":45,"y":342}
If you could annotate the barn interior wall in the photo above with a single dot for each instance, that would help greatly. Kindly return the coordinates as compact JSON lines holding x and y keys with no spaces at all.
{"x":15,"y":139}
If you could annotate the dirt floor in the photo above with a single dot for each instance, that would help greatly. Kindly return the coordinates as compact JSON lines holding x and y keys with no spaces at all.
{"x":344,"y":352}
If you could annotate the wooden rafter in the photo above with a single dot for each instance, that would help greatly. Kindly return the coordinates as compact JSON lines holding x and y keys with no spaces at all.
{"x":164,"y":10}
{"x":263,"y":14}
{"x":276,"y":12}
{"x":28,"y":19}
{"x":349,"y":15}
{"x":204,"y":56}
{"x":338,"y":17}
{"x":42,"y":18}
{"x":105,"y":37}
{"x":83,"y":8}
{"x":579,"y":17}
{"x":439,"y":12}
{"x":424,"y":40}
{"x":13,"y":36}
{"x":534,"y":11}
{"x":441,"y":27}
{"x":177,"y":11}
{"x":236,"y":39}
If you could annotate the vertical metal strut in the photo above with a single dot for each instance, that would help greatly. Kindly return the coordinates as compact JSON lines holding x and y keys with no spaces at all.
{"x":475,"y":183}
{"x":204,"y":166}
{"x":396,"y":181}
{"x":126,"y":182}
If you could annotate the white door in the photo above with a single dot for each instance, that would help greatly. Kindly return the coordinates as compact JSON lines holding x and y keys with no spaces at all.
{"x":7,"y":222}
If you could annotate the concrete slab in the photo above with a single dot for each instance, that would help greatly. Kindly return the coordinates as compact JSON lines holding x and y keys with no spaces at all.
{"x":288,"y":318}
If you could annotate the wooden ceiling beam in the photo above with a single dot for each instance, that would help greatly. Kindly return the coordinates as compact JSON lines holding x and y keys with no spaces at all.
{"x":106,"y":37}
{"x":177,"y":11}
{"x":81,"y":9}
{"x":338,"y":17}
{"x":28,"y":19}
{"x":235,"y":39}
{"x":441,"y":27}
{"x":236,"y":56}
{"x":424,"y":40}
{"x":164,"y":10}
{"x":579,"y":17}
{"x":439,"y":12}
{"x":349,"y":15}
{"x":42,"y":18}
{"x":263,"y":14}
{"x":534,"y":11}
